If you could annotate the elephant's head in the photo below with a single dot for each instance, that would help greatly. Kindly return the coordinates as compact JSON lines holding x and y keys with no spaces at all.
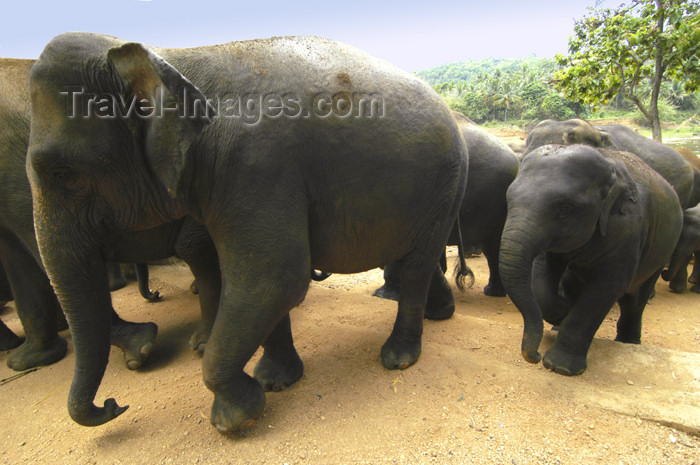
{"x":569,"y":132}
{"x":100,"y":162}
{"x":562,"y":198}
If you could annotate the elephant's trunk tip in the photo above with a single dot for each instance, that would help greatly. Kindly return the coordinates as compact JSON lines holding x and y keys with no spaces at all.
{"x":96,"y":416}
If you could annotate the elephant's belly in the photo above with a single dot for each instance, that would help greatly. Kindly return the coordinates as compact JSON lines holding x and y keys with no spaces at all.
{"x":359,"y":249}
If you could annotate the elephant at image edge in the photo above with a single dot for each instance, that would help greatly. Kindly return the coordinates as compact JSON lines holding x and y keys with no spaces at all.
{"x":279,"y":196}
{"x":679,"y":277}
{"x":673,"y":167}
{"x":586,"y":228}
{"x":688,"y":244}
{"x":35,"y":301}
{"x":492,"y":167}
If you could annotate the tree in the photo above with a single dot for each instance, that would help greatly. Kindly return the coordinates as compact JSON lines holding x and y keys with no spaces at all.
{"x":613,"y":51}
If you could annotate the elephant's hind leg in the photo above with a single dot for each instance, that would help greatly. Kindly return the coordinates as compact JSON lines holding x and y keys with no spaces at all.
{"x":629,"y":326}
{"x":403,"y":347}
{"x":280,"y":365}
{"x":197,"y":249}
{"x":390,"y":289}
{"x":136,"y":340}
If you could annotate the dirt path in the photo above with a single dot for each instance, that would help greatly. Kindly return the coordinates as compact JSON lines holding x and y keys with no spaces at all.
{"x":469,"y":399}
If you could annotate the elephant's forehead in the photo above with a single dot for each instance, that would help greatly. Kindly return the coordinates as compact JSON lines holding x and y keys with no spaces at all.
{"x":576,"y":165}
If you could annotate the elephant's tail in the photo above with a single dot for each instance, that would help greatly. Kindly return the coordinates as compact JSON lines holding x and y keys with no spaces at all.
{"x":462,"y":271}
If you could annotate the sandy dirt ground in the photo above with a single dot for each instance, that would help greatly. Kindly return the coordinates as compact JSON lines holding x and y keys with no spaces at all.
{"x":470,"y":399}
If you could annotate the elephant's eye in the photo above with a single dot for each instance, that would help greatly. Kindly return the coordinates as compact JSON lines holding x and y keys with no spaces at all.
{"x":565,"y":210}
{"x":64,"y":176}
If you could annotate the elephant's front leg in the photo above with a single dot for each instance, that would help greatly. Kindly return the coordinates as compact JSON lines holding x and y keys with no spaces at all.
{"x":264,"y":277}
{"x":598,"y":294}
{"x":547,"y":273}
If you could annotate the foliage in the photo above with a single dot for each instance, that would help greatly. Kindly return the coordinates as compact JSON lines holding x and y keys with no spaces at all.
{"x":629,"y":50}
{"x":502,"y":90}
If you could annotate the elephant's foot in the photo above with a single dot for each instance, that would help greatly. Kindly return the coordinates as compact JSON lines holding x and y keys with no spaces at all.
{"x":136,"y":340}
{"x":198,"y":341}
{"x":33,"y":353}
{"x":493,"y":290}
{"x":695,"y":289}
{"x":628,"y":339}
{"x":387,"y":292}
{"x":676,"y":289}
{"x":434,"y":311}
{"x":275,"y":374}
{"x":237,"y":410}
{"x":440,"y":304}
{"x":399,"y":356}
{"x":8,"y":339}
{"x":564,"y":363}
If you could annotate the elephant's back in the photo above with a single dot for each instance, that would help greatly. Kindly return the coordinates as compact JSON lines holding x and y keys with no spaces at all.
{"x":661,"y":158}
{"x":313,"y":64}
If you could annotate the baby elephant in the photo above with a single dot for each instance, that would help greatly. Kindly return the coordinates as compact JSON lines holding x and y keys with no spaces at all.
{"x":677,"y":272}
{"x":586,"y":228}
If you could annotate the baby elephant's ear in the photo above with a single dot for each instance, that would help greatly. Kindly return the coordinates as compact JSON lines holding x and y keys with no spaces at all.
{"x":179,"y":109}
{"x":622,"y":191}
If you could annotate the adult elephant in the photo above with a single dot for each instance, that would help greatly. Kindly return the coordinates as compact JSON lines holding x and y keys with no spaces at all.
{"x":661,"y":158}
{"x":586,"y":228}
{"x":492,"y":167}
{"x":319,"y":156}
{"x":688,"y":244}
{"x":35,"y":301}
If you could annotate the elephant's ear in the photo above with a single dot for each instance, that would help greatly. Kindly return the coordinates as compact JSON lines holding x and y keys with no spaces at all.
{"x":621,"y":192}
{"x":605,"y":139}
{"x":166,"y":135}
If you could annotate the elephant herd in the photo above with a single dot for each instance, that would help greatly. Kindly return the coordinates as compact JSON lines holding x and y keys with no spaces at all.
{"x":116,"y":152}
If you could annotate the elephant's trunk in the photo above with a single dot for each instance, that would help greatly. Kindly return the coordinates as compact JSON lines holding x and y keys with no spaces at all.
{"x":79,"y":277}
{"x":518,"y":251}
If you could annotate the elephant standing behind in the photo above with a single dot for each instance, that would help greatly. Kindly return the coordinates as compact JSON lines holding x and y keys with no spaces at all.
{"x":492,"y":167}
{"x":586,"y":228}
{"x":673,"y":167}
{"x":35,"y":300}
{"x":689,"y":243}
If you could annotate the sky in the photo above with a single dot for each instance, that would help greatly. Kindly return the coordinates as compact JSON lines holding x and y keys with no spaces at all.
{"x":412,"y":35}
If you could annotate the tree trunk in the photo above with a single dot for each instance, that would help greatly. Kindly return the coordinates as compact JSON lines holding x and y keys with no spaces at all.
{"x":656,"y":82}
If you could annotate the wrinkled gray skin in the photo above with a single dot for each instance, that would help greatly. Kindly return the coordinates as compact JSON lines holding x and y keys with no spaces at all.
{"x":586,"y":228}
{"x":279,"y":196}
{"x":492,"y":167}
{"x":663,"y":159}
{"x":689,"y":242}
{"x":35,"y":301}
